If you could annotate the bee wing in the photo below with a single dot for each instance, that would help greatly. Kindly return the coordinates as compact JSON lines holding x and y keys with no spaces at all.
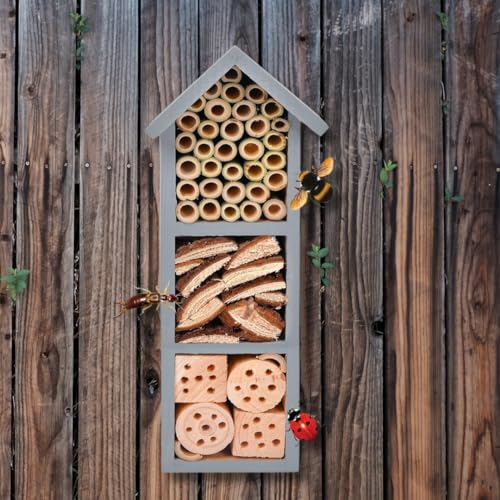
{"x":326,"y":167}
{"x":299,"y":200}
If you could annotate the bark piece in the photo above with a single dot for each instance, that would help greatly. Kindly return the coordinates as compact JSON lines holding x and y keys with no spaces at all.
{"x":258,"y":286}
{"x":271,"y":299}
{"x":210,"y":311}
{"x":215,"y":335}
{"x":206,"y":247}
{"x":257,"y":248}
{"x":194,"y":278}
{"x":252,"y":271}
{"x":184,"y":267}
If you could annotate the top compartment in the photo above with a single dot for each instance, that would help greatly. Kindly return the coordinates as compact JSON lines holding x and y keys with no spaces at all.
{"x":231,"y":155}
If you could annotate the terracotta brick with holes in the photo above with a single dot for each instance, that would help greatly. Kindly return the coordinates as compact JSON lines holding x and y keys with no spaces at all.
{"x":200,"y":378}
{"x":259,"y":435}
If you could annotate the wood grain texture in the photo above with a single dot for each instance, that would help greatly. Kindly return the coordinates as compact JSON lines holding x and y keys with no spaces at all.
{"x":414,"y":252}
{"x":473,"y":251}
{"x":169,"y":63}
{"x":7,"y":106}
{"x":291,"y":53}
{"x":224,"y":23}
{"x":108,"y":251}
{"x":353,"y":352}
{"x":45,"y":222}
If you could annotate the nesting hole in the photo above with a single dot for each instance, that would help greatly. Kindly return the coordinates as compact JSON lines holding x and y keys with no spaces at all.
{"x":205,"y":427}
{"x":250,"y":210}
{"x":262,"y":399}
{"x":231,"y":74}
{"x":258,"y":434}
{"x":256,"y":93}
{"x":233,"y":92}
{"x":188,"y":167}
{"x":257,"y":126}
{"x":210,"y":208}
{"x":197,"y":104}
{"x":211,"y":167}
{"x":222,"y":425}
{"x":212,"y":438}
{"x":244,"y":444}
{"x":230,"y":211}
{"x":185,"y":390}
{"x":189,"y":429}
{"x":184,"y":380}
{"x":254,"y":387}
{"x":244,"y":110}
{"x":271,"y":387}
{"x":271,"y":108}
{"x":251,"y":148}
{"x":245,"y":426}
{"x":225,"y":149}
{"x":258,"y":191}
{"x":187,"y":190}
{"x":210,"y":390}
{"x":200,"y":442}
{"x":254,"y":170}
{"x":247,"y":399}
{"x":187,"y":367}
{"x":188,"y":121}
{"x":210,"y":187}
{"x":212,"y":90}
{"x":203,"y":148}
{"x":233,"y":191}
{"x":276,"y":442}
{"x":272,"y":426}
{"x":269,"y":371}
{"x":256,"y":420}
{"x":198,"y":378}
{"x":218,"y":109}
{"x":185,"y":142}
{"x":237,"y":388}
{"x":210,"y":368}
{"x":274,"y":140}
{"x":213,"y":416}
{"x":232,"y":129}
{"x":274,"y":160}
{"x":212,"y":377}
{"x":261,"y":445}
{"x":187,"y":210}
{"x":197,"y":416}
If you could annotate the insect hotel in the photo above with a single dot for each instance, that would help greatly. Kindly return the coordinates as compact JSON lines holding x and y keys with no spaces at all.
{"x":230,"y":155}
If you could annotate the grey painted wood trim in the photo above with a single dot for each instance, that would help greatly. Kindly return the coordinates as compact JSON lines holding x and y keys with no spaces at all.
{"x":169,"y":230}
{"x":236,"y":57}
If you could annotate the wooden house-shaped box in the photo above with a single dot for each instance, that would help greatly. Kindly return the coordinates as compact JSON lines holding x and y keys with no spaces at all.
{"x":230,"y":150}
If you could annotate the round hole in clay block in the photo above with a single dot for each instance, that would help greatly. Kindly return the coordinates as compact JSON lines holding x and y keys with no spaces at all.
{"x":247,"y":399}
{"x":189,"y":429}
{"x":261,"y":445}
{"x":271,"y":387}
{"x":276,"y":442}
{"x":184,"y":380}
{"x":254,"y":387}
{"x":214,"y":416}
{"x":187,"y":367}
{"x":210,"y":368}
{"x":245,"y":426}
{"x":269,"y":372}
{"x":262,"y":399}
{"x":237,"y":388}
{"x":249,"y":373}
{"x":256,"y":420}
{"x":198,"y":378}
{"x":210,"y":390}
{"x":244,"y":444}
{"x":221,"y":425}
{"x":200,"y":442}
{"x":258,"y":434}
{"x":185,"y":391}
{"x":213,"y":438}
{"x":197,"y":416}
{"x":212,"y":377}
{"x":271,"y":426}
{"x":205,"y":427}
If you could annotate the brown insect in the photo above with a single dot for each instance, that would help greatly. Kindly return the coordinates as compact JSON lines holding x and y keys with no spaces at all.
{"x":147,"y":299}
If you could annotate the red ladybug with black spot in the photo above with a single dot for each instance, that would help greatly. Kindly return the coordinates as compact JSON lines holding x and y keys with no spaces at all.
{"x":303,"y":426}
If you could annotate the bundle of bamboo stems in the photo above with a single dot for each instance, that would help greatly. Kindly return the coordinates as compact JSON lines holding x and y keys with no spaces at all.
{"x":231,"y":154}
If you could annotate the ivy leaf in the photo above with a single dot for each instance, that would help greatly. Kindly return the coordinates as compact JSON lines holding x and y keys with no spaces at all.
{"x":316,"y":263}
{"x":326,"y":281}
{"x":327,"y":265}
{"x":323,"y":252}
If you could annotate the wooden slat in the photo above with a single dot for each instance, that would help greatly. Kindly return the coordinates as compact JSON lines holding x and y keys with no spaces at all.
{"x":291,"y":53}
{"x":414,"y":253}
{"x":7,"y":98}
{"x":353,"y":352}
{"x":473,"y":251}
{"x":224,"y":23}
{"x":45,"y":223}
{"x":108,"y":247}
{"x":169,"y":63}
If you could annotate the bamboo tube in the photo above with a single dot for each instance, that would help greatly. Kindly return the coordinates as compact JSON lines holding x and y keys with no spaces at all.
{"x":198,"y":105}
{"x":187,"y":168}
{"x":251,"y":149}
{"x":274,"y":209}
{"x":275,"y":141}
{"x":204,"y":149}
{"x":232,"y":171}
{"x":254,"y":171}
{"x":217,"y":110}
{"x":233,"y":75}
{"x":184,"y":142}
{"x":232,"y":130}
{"x":230,"y":212}
{"x":232,"y":92}
{"x":274,"y":160}
{"x":211,"y":167}
{"x":210,"y":188}
{"x":187,"y":212}
{"x":276,"y":180}
{"x":250,"y":211}
{"x":256,"y":94}
{"x":244,"y":110}
{"x":257,"y":126}
{"x":225,"y":150}
{"x":187,"y":190}
{"x":209,"y":210}
{"x":208,"y":129}
{"x":280,"y":125}
{"x":271,"y":109}
{"x":188,"y":121}
{"x":256,"y":191}
{"x":233,"y":192}
{"x":214,"y":91}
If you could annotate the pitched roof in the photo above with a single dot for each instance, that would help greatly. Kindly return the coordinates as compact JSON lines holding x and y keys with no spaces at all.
{"x":236,"y":57}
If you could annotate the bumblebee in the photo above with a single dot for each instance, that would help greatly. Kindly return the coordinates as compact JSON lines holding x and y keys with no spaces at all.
{"x":312,"y":183}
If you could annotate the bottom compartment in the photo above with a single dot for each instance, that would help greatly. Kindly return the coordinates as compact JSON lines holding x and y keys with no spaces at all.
{"x":230,"y":407}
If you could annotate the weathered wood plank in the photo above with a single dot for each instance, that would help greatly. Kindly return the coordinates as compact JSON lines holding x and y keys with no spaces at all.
{"x":108,"y":251}
{"x":169,"y":63}
{"x":291,"y":52}
{"x":353,"y":352}
{"x":45,"y":222}
{"x":414,"y":252}
{"x":473,"y":251}
{"x":7,"y":98}
{"x":224,"y":23}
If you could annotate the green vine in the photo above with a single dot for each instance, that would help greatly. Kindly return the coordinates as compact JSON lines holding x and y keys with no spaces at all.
{"x":80,"y":27}
{"x":317,"y":254}
{"x":16,"y":281}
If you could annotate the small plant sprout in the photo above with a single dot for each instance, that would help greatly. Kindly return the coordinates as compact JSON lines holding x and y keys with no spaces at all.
{"x":449,"y":197}
{"x":384,"y":176}
{"x":16,"y":281}
{"x":317,"y":254}
{"x":80,"y":27}
{"x":443,"y":19}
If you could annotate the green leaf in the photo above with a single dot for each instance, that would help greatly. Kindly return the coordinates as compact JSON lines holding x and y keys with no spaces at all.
{"x":316,"y":263}
{"x":443,"y":19}
{"x":312,"y":254}
{"x":326,"y":281}
{"x":16,"y":281}
{"x":457,"y":198}
{"x":322,"y":272}
{"x":323,"y":252}
{"x":327,"y":265}
{"x":315,"y":248}
{"x":383,"y":176}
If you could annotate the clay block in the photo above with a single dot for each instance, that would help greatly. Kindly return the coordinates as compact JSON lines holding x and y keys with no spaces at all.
{"x":259,"y":435}
{"x":204,"y":428}
{"x":200,"y":378}
{"x":255,"y":385}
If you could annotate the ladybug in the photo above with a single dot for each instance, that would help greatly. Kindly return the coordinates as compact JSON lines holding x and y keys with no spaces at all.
{"x":303,"y":426}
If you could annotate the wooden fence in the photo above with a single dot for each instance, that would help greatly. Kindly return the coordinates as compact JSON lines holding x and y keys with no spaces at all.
{"x":400,"y":356}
